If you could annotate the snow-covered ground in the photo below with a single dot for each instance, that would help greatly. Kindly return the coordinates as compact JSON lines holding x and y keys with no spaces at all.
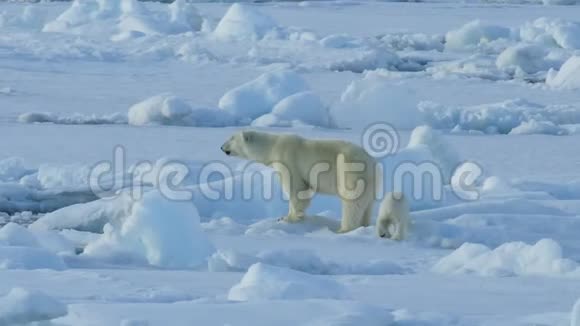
{"x":147,"y":90}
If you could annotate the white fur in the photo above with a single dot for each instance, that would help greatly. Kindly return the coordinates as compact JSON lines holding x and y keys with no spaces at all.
{"x":297,"y":159}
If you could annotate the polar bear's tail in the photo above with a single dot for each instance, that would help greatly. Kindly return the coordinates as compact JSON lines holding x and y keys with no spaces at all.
{"x":394,"y":218}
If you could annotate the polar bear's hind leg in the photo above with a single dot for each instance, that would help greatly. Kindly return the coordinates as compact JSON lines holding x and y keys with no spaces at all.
{"x":353,"y":214}
{"x":366,"y":221}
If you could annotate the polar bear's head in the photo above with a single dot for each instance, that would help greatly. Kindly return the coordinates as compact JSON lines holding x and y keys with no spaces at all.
{"x":250,"y":145}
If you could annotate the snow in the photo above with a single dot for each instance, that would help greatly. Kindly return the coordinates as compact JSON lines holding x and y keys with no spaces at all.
{"x":301,"y":108}
{"x":168,"y":109}
{"x":91,"y":216}
{"x":552,"y":32}
{"x":509,"y":259}
{"x":18,"y":257}
{"x":528,"y":58}
{"x":12,"y":169}
{"x":442,"y":153}
{"x":244,"y":22}
{"x":567,"y":76}
{"x":124,"y":20}
{"x":184,"y":17}
{"x":480,"y":93}
{"x":474,"y":34}
{"x":160,"y":109}
{"x":375,"y":98}
{"x":538,"y":127}
{"x":13,"y":234}
{"x":263,"y":282}
{"x":31,"y":17}
{"x":20,"y":307}
{"x":161,"y":232}
{"x":78,"y":118}
{"x":259,"y":96}
{"x":503,"y":118}
{"x":22,"y":248}
{"x":299,"y":260}
{"x":575,"y":316}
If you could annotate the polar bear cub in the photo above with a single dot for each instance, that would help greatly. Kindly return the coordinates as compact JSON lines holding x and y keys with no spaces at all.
{"x":393,"y":220}
{"x":307,"y":167}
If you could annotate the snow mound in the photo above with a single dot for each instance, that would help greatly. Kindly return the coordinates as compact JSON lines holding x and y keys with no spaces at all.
{"x":373,"y":99}
{"x":16,"y":257}
{"x":13,"y":234}
{"x":121,"y":20}
{"x":538,"y":127}
{"x":243,"y":22}
{"x":259,"y":96}
{"x":21,"y":307}
{"x":417,"y":42}
{"x":568,"y":77}
{"x":83,"y":16}
{"x":527,"y":58}
{"x":16,"y":239}
{"x":73,"y":119}
{"x":27,"y":194}
{"x":552,"y":33}
{"x":184,"y":17}
{"x":510,"y":259}
{"x":161,"y":232}
{"x":304,"y":108}
{"x":265,"y":282}
{"x":69,"y":176}
{"x":164,"y":109}
{"x":474,"y":34}
{"x":500,"y":118}
{"x":443,"y":155}
{"x":91,"y":216}
{"x":167,"y":109}
{"x":13,"y":169}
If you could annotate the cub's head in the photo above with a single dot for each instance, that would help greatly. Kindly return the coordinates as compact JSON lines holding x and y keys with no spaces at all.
{"x":241,"y":144}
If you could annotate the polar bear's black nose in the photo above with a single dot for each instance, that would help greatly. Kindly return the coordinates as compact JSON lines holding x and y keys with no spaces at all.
{"x":225,"y":151}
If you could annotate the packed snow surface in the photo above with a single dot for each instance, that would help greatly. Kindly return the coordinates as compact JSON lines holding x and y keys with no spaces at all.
{"x":117,"y":206}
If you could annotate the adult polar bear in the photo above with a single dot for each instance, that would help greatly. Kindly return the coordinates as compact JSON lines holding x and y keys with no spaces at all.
{"x":325,"y":166}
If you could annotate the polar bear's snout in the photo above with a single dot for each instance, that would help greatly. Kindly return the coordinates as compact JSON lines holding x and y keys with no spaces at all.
{"x":227,"y":146}
{"x":225,"y":150}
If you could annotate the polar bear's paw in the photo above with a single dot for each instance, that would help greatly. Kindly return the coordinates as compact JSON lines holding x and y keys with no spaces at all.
{"x":341,"y":231}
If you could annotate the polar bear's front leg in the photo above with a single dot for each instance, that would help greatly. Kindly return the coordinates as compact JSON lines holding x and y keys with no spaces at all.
{"x":297,"y":209}
{"x":300,"y":197}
